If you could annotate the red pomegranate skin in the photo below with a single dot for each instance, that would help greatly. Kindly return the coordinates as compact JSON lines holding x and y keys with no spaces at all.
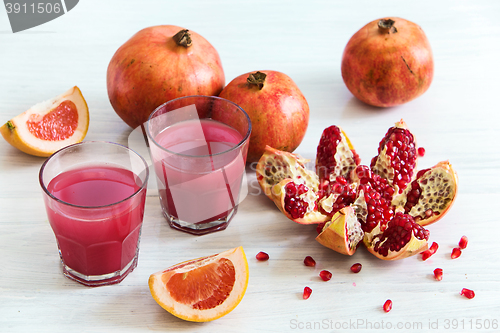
{"x":279,"y":112}
{"x":386,"y":68}
{"x":151,"y":68}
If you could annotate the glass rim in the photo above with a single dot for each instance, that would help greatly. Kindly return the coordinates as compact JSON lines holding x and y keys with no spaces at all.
{"x":44,"y":188}
{"x":236,"y":146}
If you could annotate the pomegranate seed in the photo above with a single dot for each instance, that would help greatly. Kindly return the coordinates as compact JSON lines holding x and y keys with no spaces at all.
{"x":455,"y":253}
{"x":426,"y":255}
{"x":388,"y":305}
{"x":307,"y":293}
{"x":356,"y":267}
{"x":438,"y":274}
{"x":294,"y":205}
{"x":421,"y":151}
{"x":463,"y":242}
{"x":467,"y":293}
{"x":319,"y":227}
{"x":262,"y":256}
{"x":434,"y":247}
{"x":325,"y":275}
{"x":309,"y":261}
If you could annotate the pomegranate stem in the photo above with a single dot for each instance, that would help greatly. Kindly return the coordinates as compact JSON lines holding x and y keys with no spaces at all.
{"x":257,"y":78}
{"x":183,"y":38}
{"x":386,"y":26}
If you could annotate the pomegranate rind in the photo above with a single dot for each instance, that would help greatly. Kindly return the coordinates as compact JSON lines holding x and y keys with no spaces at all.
{"x":335,"y":232}
{"x":17,"y":134}
{"x":292,"y":166}
{"x":312,"y":216}
{"x":445,"y":174}
{"x":158,"y":287}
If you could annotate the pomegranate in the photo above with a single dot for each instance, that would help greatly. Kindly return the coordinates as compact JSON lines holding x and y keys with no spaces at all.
{"x":277,"y":108}
{"x":385,"y":205}
{"x":158,"y":64}
{"x":388,"y":62}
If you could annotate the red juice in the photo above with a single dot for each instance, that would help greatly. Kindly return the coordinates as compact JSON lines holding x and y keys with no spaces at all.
{"x":200,"y":177}
{"x":98,"y":232}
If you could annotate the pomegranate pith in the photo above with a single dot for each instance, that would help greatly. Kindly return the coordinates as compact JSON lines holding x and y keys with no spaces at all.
{"x":387,"y":305}
{"x":307,"y":293}
{"x":262,"y":256}
{"x":325,"y":275}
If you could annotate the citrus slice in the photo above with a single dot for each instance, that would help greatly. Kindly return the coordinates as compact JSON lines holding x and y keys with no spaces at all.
{"x":50,"y":125}
{"x":202,"y":289}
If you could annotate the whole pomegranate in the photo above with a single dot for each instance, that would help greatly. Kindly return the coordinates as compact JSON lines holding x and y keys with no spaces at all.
{"x":158,"y":64}
{"x":277,"y":108}
{"x":388,"y":62}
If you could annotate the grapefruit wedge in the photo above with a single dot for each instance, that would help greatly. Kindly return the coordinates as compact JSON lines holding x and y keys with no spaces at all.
{"x":202,"y":289}
{"x":50,"y":125}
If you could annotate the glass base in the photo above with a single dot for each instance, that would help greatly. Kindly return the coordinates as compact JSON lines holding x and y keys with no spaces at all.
{"x":100,"y":280}
{"x":200,"y":228}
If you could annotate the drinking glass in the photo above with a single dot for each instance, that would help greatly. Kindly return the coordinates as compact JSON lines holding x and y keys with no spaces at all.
{"x":94,"y":194}
{"x":199,"y":145}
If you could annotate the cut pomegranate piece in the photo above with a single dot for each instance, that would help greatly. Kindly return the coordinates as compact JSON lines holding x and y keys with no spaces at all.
{"x":356,"y":268}
{"x":397,"y":157}
{"x":262,"y":256}
{"x":438,"y":274}
{"x":343,"y":233}
{"x":463,"y":242}
{"x":275,"y":171}
{"x":455,"y":253}
{"x":325,"y":275}
{"x":402,"y":238}
{"x":335,"y":155}
{"x":335,"y":195}
{"x":309,"y":261}
{"x":468,"y":293}
{"x":307,"y":293}
{"x":387,"y":305}
{"x":431,"y":194}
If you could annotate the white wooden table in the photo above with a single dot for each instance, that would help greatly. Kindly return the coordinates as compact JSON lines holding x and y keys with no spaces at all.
{"x":456,"y":119}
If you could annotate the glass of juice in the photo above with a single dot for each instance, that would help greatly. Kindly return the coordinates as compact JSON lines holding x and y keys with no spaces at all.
{"x":199,"y":145}
{"x":94,"y":194}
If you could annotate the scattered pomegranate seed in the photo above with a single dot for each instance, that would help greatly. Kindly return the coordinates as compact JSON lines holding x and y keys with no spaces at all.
{"x":319,"y":227}
{"x":467,"y":293}
{"x":356,"y":267}
{"x":434,"y":247}
{"x":455,"y":253}
{"x":309,"y":261}
{"x":438,"y":274}
{"x":307,"y":293}
{"x":426,"y":255}
{"x":421,"y":151}
{"x":262,"y":256}
{"x":463,"y":242}
{"x":325,"y":275}
{"x":388,"y":305}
